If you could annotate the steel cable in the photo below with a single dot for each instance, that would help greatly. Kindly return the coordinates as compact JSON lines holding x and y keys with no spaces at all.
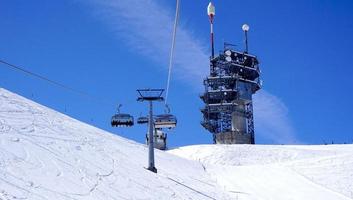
{"x":171,"y":56}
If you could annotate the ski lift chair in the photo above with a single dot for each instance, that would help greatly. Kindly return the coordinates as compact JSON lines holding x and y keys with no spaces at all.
{"x":122,"y":120}
{"x":142,"y":120}
{"x":165,"y":121}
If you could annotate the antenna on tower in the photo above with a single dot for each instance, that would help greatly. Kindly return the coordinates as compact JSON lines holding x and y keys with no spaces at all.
{"x":211,"y":12}
{"x":246,"y":28}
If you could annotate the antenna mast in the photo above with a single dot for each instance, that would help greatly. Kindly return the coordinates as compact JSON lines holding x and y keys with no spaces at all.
{"x":245,"y":28}
{"x":211,"y":11}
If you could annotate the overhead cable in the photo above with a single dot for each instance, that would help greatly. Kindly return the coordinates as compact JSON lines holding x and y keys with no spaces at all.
{"x":171,"y":56}
{"x":68,"y":88}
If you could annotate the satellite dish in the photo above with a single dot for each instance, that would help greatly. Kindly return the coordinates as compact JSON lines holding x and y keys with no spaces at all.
{"x":228,"y":59}
{"x":228,"y":53}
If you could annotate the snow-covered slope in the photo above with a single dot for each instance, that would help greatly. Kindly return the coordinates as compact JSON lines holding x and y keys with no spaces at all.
{"x":47,"y":155}
{"x":278,"y":172}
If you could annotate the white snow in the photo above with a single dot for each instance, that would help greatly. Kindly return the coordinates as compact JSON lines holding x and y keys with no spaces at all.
{"x":48,"y":155}
{"x":278,"y":171}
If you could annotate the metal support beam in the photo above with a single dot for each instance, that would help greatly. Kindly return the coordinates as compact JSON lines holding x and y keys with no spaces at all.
{"x":151,"y":166}
{"x":150,"y":95}
{"x":246,"y":42}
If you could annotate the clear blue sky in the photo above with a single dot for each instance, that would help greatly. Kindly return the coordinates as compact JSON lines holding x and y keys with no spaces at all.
{"x":110,"y":48}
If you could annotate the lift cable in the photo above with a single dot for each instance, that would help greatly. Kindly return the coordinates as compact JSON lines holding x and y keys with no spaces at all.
{"x":68,"y":88}
{"x":171,"y":56}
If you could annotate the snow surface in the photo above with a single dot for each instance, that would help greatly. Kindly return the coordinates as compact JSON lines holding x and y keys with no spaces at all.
{"x":48,"y":155}
{"x":278,"y":171}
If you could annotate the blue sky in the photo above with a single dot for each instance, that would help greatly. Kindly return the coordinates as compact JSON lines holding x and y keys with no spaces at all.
{"x":110,"y":48}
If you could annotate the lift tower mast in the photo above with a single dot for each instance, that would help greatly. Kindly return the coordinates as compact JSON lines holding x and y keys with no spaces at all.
{"x":150,"y":95}
{"x":228,"y":111}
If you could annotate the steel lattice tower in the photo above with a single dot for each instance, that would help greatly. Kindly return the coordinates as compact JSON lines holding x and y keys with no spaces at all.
{"x":228,"y":112}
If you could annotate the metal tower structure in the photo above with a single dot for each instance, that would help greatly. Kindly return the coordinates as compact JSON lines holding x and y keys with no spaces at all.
{"x":150,"y":95}
{"x":234,"y":78}
{"x":228,"y":112}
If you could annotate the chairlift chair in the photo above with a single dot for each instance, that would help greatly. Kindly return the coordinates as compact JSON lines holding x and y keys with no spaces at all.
{"x":165,"y":121}
{"x":142,"y":120}
{"x":122,"y":120}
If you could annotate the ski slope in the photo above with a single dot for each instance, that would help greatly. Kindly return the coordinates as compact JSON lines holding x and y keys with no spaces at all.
{"x":278,"y":171}
{"x":47,"y":155}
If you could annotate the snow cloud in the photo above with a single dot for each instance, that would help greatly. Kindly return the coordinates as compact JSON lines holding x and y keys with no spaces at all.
{"x":132,"y":20}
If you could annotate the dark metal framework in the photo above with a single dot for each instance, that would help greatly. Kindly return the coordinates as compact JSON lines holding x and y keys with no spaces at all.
{"x":228,"y":112}
{"x":161,"y":122}
{"x":150,"y":95}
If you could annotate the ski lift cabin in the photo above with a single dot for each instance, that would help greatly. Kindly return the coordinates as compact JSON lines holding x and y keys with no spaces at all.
{"x":120,"y":120}
{"x":165,"y":121}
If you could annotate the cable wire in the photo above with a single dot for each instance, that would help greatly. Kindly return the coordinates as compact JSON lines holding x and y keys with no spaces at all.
{"x":71,"y":89}
{"x":171,"y":56}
